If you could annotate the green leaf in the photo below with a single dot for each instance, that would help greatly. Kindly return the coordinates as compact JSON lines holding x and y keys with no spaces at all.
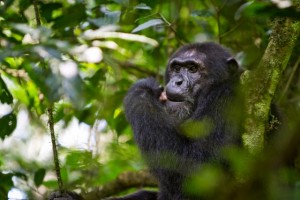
{"x":80,"y":160}
{"x":150,"y":23}
{"x":239,"y":13}
{"x":120,"y":123}
{"x":5,"y":96}
{"x":47,"y":10}
{"x":21,"y":175}
{"x":64,"y":174}
{"x":72,"y":16}
{"x":39,"y":176}
{"x":24,"y":4}
{"x":6,"y":184}
{"x":63,"y":111}
{"x":98,"y":78}
{"x":74,"y":90}
{"x":205,"y":181}
{"x":142,"y":6}
{"x":51,"y":184}
{"x":48,"y":82}
{"x":110,"y":17}
{"x":202,"y":13}
{"x":8,"y":124}
{"x":46,"y":52}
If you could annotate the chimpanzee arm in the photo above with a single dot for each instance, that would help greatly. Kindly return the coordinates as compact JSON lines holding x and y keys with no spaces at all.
{"x":152,"y":126}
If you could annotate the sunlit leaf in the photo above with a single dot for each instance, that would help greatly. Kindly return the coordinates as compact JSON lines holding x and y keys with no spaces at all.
{"x":80,"y":159}
{"x":142,"y":6}
{"x":47,"y":10}
{"x":97,"y":34}
{"x":51,"y":184}
{"x":64,"y":174}
{"x":150,"y":23}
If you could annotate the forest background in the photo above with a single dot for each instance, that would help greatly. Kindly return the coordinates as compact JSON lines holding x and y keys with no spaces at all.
{"x":72,"y":61}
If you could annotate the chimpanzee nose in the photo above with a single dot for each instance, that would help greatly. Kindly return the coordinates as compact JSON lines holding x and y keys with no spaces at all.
{"x":177,"y":81}
{"x":176,"y":89}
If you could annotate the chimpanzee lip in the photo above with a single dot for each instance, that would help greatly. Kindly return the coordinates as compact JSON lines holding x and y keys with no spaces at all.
{"x":177,"y":101}
{"x":176,"y":97}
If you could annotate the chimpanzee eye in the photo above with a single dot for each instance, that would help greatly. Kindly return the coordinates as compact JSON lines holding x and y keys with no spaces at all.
{"x":193,"y":68}
{"x":176,"y":68}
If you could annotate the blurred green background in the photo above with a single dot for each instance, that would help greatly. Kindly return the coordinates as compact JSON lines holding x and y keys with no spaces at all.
{"x":83,"y":58}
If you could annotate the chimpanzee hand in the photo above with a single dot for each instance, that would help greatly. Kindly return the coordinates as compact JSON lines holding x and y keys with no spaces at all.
{"x":147,"y":86}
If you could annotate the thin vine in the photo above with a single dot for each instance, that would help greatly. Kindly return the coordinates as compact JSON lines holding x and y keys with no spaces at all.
{"x":36,"y":12}
{"x":54,"y":149}
{"x":50,"y":116}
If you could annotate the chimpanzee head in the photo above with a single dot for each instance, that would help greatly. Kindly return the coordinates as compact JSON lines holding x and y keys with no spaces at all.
{"x":194,"y":69}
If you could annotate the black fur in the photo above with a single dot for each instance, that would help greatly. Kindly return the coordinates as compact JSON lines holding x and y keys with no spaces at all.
{"x":171,"y":154}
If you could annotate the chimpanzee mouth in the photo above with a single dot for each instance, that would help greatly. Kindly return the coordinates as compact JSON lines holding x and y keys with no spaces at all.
{"x":175,"y":98}
{"x":176,"y":101}
{"x":171,"y":98}
{"x":181,"y":100}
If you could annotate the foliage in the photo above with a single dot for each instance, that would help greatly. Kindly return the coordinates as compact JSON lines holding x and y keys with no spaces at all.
{"x":83,"y":58}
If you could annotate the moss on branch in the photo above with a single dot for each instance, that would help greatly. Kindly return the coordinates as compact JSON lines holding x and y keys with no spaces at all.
{"x":261,"y":83}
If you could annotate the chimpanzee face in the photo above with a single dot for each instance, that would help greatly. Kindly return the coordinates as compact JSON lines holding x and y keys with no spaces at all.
{"x":185,"y":72}
{"x":194,"y":69}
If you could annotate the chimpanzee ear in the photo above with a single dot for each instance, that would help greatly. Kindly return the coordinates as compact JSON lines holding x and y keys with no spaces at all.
{"x":233,"y":66}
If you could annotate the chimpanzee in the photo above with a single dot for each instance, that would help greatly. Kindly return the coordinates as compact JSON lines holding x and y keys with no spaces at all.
{"x":201,"y":81}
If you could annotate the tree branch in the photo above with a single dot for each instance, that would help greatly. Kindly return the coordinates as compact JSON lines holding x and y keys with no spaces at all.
{"x":139,"y":71}
{"x":36,"y":12}
{"x":267,"y":75}
{"x":123,"y":182}
{"x":50,"y":116}
{"x":54,"y":149}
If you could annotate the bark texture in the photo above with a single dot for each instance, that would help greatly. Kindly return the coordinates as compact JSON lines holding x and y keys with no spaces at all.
{"x":261,"y":83}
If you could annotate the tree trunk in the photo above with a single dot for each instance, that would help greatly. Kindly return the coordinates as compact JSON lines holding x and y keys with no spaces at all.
{"x":261,"y":83}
